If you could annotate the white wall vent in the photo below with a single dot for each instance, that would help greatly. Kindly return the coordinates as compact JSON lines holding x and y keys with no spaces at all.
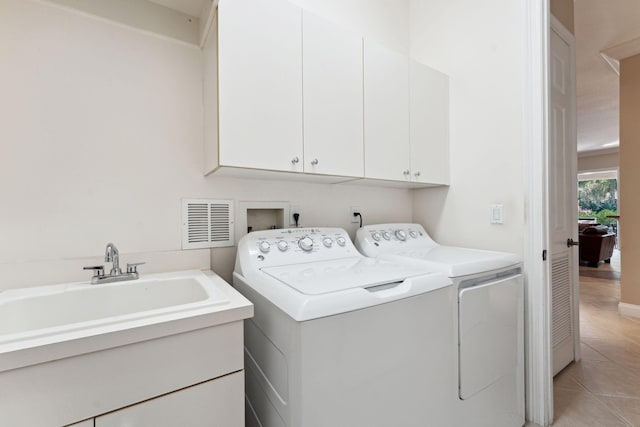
{"x":207,"y":223}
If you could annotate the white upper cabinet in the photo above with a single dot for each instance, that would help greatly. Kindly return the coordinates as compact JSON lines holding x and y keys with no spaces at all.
{"x":429,"y":119}
{"x":287,"y":91}
{"x":260,"y":84}
{"x":386,"y":113}
{"x":332,"y":98}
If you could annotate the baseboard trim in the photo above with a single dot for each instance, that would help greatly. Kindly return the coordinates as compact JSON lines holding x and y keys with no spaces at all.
{"x":631,"y":310}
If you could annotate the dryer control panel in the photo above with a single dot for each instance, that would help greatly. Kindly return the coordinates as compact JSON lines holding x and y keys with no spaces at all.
{"x":373,"y":240}
{"x":293,"y":246}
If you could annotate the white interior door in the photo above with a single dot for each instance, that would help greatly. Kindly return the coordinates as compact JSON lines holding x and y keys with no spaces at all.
{"x":562,"y":199}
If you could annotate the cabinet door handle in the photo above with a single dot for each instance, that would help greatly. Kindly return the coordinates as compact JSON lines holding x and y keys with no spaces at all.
{"x":417,"y":173}
{"x":407,"y":172}
{"x":314,"y":162}
{"x":295,"y":160}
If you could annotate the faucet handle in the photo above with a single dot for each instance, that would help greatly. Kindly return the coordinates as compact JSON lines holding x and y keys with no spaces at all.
{"x":132,"y":267}
{"x":98,"y":270}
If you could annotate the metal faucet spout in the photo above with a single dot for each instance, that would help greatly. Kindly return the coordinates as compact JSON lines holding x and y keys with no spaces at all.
{"x":111,"y":254}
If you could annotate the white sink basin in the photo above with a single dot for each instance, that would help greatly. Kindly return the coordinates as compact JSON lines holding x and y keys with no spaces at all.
{"x":51,"y":315}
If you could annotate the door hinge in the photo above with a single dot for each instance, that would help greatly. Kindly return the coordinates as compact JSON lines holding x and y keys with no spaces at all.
{"x":544,"y":254}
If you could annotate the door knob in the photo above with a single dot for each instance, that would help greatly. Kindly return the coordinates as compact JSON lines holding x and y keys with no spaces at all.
{"x":571,"y":242}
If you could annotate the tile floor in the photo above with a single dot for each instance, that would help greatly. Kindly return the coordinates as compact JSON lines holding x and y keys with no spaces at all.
{"x":603,"y":389}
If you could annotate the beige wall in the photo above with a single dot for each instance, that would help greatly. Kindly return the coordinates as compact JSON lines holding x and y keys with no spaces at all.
{"x":598,"y":161}
{"x":101,"y":137}
{"x":630,"y":178}
{"x":486,"y":120}
{"x":563,"y":10}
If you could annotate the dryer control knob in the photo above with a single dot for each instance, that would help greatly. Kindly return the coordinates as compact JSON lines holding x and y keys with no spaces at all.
{"x":264,"y":247}
{"x":341,"y":241}
{"x":327,"y":242}
{"x":413,"y":234}
{"x":401,"y":235}
{"x":376,"y":236}
{"x":282,"y":245}
{"x":306,"y":244}
{"x":386,"y":235}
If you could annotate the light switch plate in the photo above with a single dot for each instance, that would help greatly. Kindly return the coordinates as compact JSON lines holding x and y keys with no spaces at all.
{"x":496,"y":214}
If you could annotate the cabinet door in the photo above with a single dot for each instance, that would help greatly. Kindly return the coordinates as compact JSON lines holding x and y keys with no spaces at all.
{"x":260,"y":84}
{"x":386,"y":113}
{"x":429,"y":118}
{"x":218,"y":402}
{"x":332,"y":92}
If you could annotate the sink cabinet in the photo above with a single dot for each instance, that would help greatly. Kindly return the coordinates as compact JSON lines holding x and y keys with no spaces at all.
{"x":89,"y":385}
{"x":213,"y":402}
{"x":85,"y":423}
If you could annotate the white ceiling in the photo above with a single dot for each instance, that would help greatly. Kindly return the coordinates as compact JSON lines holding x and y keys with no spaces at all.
{"x":190,"y":7}
{"x":600,"y":24}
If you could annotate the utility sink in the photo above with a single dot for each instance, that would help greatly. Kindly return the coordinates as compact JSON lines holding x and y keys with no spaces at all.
{"x":47,"y":315}
{"x":76,"y":351}
{"x":52,"y":309}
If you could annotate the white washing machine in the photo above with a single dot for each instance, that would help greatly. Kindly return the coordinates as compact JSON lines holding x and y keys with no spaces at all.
{"x":488,"y":342}
{"x":339,"y":339}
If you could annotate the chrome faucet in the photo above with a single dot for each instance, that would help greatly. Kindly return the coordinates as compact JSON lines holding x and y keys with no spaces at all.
{"x":112,"y":255}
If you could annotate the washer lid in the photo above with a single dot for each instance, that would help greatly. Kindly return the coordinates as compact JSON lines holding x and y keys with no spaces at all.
{"x":323,"y":277}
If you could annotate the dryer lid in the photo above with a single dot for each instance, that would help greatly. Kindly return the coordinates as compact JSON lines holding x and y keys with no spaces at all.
{"x":316,"y":278}
{"x":458,"y":262}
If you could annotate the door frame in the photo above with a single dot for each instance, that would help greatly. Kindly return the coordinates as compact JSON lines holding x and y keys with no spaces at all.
{"x":537,"y":22}
{"x":538,"y":365}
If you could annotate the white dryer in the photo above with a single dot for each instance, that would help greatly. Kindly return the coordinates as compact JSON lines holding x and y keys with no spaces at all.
{"x":339,"y":339}
{"x":488,"y":343}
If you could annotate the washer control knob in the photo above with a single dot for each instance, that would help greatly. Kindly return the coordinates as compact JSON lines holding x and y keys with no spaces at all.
{"x":413,"y":234}
{"x":282,"y":245}
{"x":376,"y":236}
{"x":264,"y":247}
{"x":306,"y":244}
{"x":341,"y":241}
{"x":386,"y":235}
{"x":327,"y":242}
{"x":401,"y":235}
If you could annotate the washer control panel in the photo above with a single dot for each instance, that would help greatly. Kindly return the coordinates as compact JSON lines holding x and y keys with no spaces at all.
{"x":295,"y":245}
{"x":372,"y":240}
